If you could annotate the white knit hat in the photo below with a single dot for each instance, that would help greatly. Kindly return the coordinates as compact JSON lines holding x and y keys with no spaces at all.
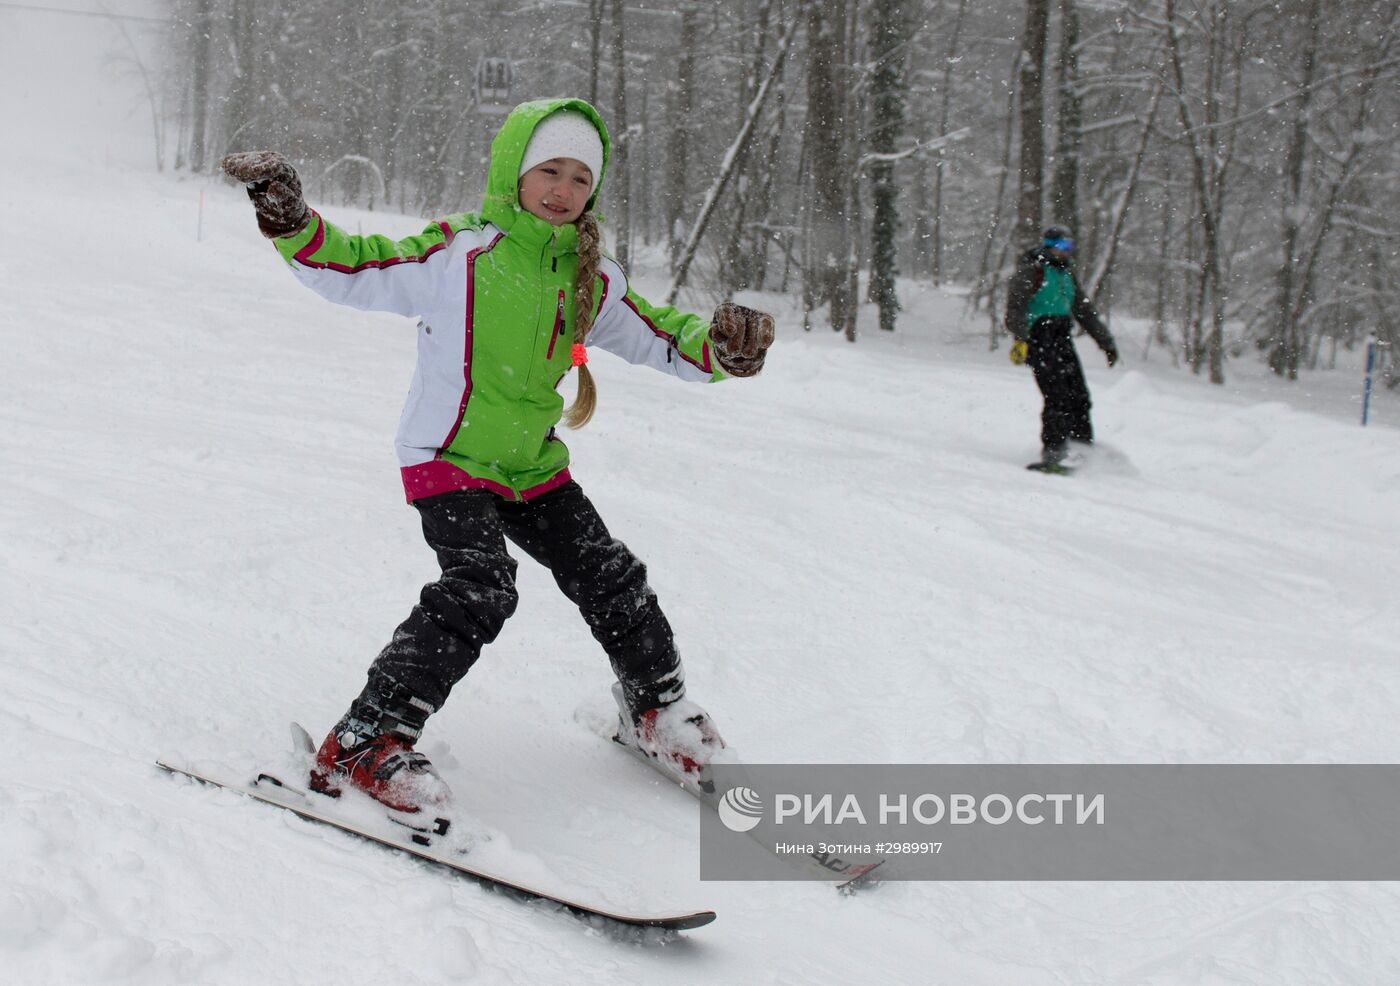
{"x":565,"y":133}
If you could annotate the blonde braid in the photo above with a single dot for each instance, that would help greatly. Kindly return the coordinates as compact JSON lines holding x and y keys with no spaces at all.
{"x":590,"y":254}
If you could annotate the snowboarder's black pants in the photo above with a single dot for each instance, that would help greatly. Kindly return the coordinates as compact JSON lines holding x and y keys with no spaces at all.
{"x":466,"y":607}
{"x":1060,"y":376}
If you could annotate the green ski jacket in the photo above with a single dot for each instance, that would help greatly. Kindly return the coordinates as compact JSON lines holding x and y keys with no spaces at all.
{"x":493,"y":293}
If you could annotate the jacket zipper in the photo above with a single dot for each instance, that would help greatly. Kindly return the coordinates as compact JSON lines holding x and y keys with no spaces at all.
{"x":558,"y":325}
{"x":554,"y":252}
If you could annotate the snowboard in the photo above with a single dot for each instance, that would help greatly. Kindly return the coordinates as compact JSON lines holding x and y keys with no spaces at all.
{"x":1097,"y":459}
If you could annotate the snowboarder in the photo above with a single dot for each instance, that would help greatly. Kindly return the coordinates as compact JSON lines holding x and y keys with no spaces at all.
{"x":1043,"y":302}
{"x":509,"y":300}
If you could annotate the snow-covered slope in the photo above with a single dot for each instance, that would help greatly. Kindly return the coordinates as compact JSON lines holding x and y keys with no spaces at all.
{"x":204,"y":538}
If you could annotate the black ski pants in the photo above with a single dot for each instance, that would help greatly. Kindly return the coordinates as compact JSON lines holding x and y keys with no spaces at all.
{"x":466,"y":607}
{"x":1058,"y":373}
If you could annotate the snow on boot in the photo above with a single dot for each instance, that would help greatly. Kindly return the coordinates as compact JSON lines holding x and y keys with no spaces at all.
{"x":1076,"y":454}
{"x":386,"y":767}
{"x":680,"y":738}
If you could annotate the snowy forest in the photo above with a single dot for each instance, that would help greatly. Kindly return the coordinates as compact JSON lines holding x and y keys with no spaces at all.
{"x":1230,"y":167}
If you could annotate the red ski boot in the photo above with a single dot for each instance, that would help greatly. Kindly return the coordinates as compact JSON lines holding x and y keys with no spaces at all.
{"x":680,"y":739}
{"x":386,"y":767}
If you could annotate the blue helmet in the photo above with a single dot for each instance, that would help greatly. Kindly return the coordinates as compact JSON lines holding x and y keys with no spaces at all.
{"x":1058,"y":238}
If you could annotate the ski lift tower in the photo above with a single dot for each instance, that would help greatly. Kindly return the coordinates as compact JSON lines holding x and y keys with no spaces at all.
{"x":493,"y":78}
{"x":491,"y":94}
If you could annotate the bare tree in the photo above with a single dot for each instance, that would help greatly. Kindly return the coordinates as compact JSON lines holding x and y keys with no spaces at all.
{"x":201,"y":32}
{"x":1119,"y":215}
{"x":826,"y":279}
{"x":620,"y":180}
{"x":889,"y":35}
{"x":239,"y":120}
{"x":944,"y":109}
{"x":1209,"y":146}
{"x":737,"y":264}
{"x":993,"y":243}
{"x":1324,"y":158}
{"x":681,"y":127}
{"x":1031,"y":93}
{"x":728,"y":166}
{"x":595,"y":46}
{"x":1064,"y":186}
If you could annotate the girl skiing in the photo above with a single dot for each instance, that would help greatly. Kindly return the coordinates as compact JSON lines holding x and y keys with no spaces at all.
{"x":509,"y":300}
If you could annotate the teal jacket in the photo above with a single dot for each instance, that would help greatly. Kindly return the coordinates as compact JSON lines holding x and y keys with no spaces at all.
{"x":493,"y":294}
{"x":1043,"y":287}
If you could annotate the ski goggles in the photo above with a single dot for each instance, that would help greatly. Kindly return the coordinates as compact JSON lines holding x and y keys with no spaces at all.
{"x":1065,"y":245}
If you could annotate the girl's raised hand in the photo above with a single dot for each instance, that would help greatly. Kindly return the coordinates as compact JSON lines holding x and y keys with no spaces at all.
{"x":740,"y":337}
{"x":273,"y":187}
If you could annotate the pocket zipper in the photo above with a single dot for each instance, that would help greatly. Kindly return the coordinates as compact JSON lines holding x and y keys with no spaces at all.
{"x":558,"y":325}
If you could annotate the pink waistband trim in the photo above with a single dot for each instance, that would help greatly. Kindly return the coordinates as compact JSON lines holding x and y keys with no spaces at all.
{"x":440,"y":476}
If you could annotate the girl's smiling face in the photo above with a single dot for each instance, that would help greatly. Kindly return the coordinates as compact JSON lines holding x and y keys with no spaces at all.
{"x":556,"y":190}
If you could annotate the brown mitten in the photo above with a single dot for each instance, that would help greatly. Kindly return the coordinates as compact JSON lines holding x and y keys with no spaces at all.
{"x":273,"y":187}
{"x":741,"y":337}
